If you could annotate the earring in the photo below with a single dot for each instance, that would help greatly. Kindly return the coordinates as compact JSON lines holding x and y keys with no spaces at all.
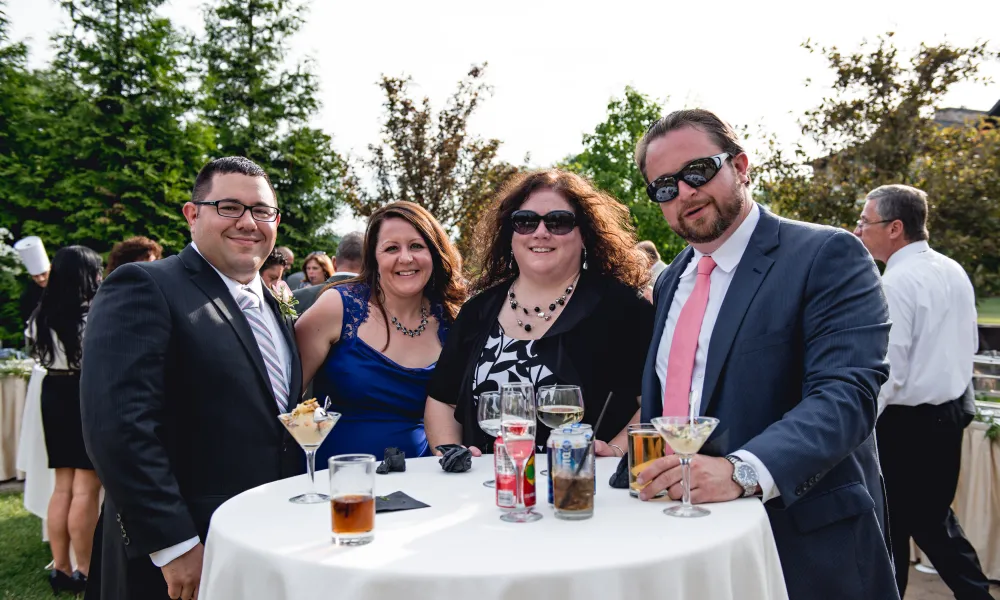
{"x":584,"y":258}
{"x":510,"y":261}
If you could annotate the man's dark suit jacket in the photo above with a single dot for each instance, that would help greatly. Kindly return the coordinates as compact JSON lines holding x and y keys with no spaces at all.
{"x":178,"y":412}
{"x":795,"y":364}
{"x":307,"y":296}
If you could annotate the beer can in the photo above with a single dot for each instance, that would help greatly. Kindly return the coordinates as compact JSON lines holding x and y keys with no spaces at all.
{"x":505,"y":473}
{"x":556,"y":444}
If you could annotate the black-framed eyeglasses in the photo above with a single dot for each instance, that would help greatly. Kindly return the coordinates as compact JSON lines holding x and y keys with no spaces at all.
{"x":231,"y":209}
{"x":696,"y":173}
{"x":862,"y":223}
{"x":557,"y":222}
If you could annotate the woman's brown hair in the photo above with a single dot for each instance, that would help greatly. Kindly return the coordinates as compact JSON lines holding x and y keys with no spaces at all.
{"x":134,"y":249}
{"x":446,"y":285}
{"x":604,"y":223}
{"x":323,"y":261}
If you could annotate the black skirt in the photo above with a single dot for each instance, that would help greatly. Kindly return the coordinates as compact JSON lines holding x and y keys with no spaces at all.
{"x":61,"y":421}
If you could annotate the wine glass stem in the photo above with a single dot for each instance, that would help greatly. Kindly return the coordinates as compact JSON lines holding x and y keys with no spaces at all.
{"x":519,"y":501}
{"x":686,"y":484}
{"x":311,"y":466}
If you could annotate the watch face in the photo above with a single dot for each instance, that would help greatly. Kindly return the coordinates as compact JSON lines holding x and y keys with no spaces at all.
{"x":745,"y":474}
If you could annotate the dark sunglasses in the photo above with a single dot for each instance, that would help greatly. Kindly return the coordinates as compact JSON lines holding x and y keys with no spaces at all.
{"x":696,"y":173}
{"x":557,"y":222}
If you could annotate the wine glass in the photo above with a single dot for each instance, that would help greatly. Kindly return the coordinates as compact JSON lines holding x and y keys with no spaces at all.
{"x":488,"y":413}
{"x":685,"y":436}
{"x":309,"y":423}
{"x":517,"y":429}
{"x":559,"y":405}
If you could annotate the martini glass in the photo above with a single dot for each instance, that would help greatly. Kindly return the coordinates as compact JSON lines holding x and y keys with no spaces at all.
{"x":309,"y":423}
{"x":685,"y":436}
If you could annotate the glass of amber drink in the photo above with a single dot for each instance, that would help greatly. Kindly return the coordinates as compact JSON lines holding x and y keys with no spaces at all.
{"x":352,"y":499}
{"x":645,"y":444}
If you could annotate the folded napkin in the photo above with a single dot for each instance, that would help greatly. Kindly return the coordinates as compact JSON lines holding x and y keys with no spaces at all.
{"x":394,"y":460}
{"x":455,"y":458}
{"x":620,"y":478}
{"x":397,"y":501}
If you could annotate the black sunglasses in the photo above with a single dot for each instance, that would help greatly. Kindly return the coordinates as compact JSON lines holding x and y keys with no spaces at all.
{"x":696,"y":173}
{"x":557,"y":222}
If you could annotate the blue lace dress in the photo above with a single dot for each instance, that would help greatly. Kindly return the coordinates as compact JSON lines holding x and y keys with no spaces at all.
{"x":381,"y":402}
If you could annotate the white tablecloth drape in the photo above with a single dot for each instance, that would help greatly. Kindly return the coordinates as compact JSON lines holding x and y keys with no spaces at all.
{"x":32,"y":458}
{"x":261,"y":546}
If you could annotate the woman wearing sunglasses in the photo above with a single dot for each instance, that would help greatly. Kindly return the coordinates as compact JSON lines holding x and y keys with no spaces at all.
{"x":559,"y":303}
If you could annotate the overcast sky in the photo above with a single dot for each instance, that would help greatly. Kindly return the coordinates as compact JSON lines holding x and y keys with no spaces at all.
{"x":555,"y":65}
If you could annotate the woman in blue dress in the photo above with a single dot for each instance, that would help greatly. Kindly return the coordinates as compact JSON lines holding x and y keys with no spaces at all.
{"x":372,"y":342}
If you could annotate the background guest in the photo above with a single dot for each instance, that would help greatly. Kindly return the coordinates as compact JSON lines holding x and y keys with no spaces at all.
{"x":933,"y":338}
{"x":348,"y":265}
{"x":552,"y":240}
{"x":134,"y":249}
{"x":317,"y":268}
{"x":272,"y":269}
{"x":293,"y":278}
{"x":372,"y":346}
{"x":56,"y":330}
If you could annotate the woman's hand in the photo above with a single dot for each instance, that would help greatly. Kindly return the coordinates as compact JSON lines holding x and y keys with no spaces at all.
{"x":603,"y":449}
{"x":475,"y":451}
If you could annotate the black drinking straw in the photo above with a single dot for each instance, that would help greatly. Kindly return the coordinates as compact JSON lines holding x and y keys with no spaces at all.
{"x":579,"y":467}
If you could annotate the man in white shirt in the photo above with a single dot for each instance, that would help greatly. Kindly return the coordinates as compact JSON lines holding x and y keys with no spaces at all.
{"x":931,"y":344}
{"x":779,"y":329}
{"x":189,"y":362}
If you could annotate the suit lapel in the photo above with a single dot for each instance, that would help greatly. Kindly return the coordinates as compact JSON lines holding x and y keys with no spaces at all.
{"x":666,"y":288}
{"x":209,"y":282}
{"x":750,"y":273}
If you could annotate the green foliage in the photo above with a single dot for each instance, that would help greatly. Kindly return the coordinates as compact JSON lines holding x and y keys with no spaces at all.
{"x":607,"y":161}
{"x":877,"y":128}
{"x":434,"y":161}
{"x":259,"y":109}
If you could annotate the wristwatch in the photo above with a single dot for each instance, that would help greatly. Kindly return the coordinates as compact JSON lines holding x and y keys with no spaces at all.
{"x":744,"y":475}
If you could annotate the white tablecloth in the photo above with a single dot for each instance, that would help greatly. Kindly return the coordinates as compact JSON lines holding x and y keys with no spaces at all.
{"x":32,"y":458}
{"x":262,"y":546}
{"x":12,"y":396}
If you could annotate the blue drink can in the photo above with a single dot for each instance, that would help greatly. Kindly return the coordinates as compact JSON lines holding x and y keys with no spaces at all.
{"x":571,"y":474}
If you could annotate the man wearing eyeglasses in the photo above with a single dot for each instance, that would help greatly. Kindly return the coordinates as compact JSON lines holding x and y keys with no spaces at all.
{"x":933,"y":339}
{"x":778,"y":329}
{"x":189,"y":362}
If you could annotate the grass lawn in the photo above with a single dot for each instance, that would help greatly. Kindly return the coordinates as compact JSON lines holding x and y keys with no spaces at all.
{"x":23,"y":554}
{"x":989,"y":311}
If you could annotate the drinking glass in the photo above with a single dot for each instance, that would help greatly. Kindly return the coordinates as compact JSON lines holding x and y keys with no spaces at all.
{"x":559,"y":406}
{"x":309,"y":423}
{"x":488,"y":413}
{"x":517,"y":429}
{"x":352,"y":499}
{"x":685,"y":435}
{"x":645,"y":444}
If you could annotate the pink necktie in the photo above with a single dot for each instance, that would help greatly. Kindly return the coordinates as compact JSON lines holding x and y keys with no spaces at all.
{"x":680,"y":365}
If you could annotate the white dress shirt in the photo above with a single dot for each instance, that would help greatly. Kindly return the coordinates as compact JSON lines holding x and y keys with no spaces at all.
{"x":934,"y":334}
{"x":727,"y":260}
{"x":165,"y":556}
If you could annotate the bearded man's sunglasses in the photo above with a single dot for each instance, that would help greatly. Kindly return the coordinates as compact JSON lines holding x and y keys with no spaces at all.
{"x":696,"y":173}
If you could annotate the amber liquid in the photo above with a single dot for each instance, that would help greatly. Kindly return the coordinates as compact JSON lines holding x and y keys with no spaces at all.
{"x":643,"y":447}
{"x":353,"y":514}
{"x":573,"y":493}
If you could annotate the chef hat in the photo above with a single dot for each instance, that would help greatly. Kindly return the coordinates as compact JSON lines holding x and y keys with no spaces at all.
{"x":32,"y":252}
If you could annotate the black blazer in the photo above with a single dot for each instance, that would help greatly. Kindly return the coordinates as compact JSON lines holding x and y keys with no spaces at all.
{"x":178,"y":412}
{"x":598,"y":343}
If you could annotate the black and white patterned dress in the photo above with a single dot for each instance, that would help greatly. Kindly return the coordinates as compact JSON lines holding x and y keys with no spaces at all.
{"x":508,"y":360}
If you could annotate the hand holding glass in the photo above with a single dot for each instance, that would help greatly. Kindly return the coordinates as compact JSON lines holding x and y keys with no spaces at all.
{"x":685,"y":436}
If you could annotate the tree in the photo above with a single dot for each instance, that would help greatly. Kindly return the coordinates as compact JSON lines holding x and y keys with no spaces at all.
{"x":260,"y":110}
{"x":877,"y":127}
{"x":434,"y":161}
{"x":113,"y":153}
{"x":607,"y":160}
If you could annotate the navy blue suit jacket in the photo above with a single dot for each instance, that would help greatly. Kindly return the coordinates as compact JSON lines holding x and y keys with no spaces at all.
{"x":795,"y":364}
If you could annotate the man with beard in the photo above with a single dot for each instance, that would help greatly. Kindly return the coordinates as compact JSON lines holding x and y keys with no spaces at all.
{"x":780,"y":330}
